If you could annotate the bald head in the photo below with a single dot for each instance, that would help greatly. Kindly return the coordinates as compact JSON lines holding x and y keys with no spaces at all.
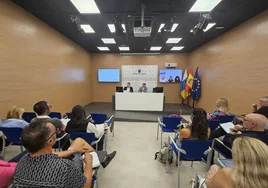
{"x":264,"y":101}
{"x":255,"y":121}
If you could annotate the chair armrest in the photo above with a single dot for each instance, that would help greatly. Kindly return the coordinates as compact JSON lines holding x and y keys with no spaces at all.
{"x":177,"y":148}
{"x":58,"y":139}
{"x":112,"y":116}
{"x":97,"y":141}
{"x":160,"y":123}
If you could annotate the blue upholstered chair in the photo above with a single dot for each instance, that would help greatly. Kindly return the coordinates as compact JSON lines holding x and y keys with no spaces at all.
{"x":168,"y":125}
{"x":225,"y":119}
{"x":28,"y":116}
{"x":55,"y":115}
{"x":213,"y":124}
{"x":68,"y":114}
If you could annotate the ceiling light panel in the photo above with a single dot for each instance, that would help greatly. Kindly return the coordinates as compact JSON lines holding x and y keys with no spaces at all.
{"x":209,"y":26}
{"x":160,"y":27}
{"x":124,"y":27}
{"x":174,"y":26}
{"x":103,"y":48}
{"x":177,"y":48}
{"x":111,"y":27}
{"x":108,"y":40}
{"x":155,"y":48}
{"x":173,"y":40}
{"x":86,"y":6}
{"x":87,"y":28}
{"x":124,"y":48}
{"x":204,"y":5}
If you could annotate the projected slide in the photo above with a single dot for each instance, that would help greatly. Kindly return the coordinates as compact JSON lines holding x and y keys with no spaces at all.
{"x":170,"y":75}
{"x":109,"y":75}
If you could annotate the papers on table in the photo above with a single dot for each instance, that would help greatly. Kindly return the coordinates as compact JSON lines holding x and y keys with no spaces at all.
{"x":227,"y":126}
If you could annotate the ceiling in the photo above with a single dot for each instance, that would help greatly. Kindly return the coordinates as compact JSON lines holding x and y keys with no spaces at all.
{"x":57,"y":14}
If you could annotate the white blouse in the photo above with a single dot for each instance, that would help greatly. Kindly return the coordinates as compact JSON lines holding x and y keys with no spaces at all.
{"x":91,"y":128}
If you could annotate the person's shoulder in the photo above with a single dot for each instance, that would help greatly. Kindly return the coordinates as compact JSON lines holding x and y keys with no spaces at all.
{"x":185,"y":132}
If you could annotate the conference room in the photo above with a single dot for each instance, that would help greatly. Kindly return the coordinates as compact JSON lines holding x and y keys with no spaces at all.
{"x":133,"y":93}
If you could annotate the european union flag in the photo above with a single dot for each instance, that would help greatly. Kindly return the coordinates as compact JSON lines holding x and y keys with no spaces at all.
{"x":196,"y":88}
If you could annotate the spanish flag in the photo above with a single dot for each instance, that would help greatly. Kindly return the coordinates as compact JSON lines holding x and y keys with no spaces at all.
{"x":184,"y":93}
{"x":189,"y":83}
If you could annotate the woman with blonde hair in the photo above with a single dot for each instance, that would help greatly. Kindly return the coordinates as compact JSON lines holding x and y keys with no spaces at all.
{"x":14,"y":118}
{"x":222,"y":109}
{"x":250,"y":157}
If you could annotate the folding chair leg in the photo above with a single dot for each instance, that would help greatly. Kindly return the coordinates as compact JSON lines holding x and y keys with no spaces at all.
{"x":157,"y":132}
{"x":161,"y":139}
{"x":21,"y":148}
{"x":179,"y":172}
{"x":106,"y":141}
{"x":192,"y":163}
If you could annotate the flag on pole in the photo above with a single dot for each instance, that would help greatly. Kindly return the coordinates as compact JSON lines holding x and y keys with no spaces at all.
{"x":184,"y":93}
{"x":189,"y":82}
{"x":196,"y":89}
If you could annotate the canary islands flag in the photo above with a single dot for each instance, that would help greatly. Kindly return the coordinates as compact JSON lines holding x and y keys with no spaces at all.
{"x":184,"y":93}
{"x":189,"y":82}
{"x":196,"y":89}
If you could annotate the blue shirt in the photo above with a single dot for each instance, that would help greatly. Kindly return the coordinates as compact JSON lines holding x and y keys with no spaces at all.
{"x":13,"y":123}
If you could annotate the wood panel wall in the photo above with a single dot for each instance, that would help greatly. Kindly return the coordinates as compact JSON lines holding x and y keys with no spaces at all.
{"x":235,"y":66}
{"x":38,"y":63}
{"x":102,"y":92}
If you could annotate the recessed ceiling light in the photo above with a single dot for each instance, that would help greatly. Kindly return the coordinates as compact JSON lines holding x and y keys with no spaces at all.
{"x":124,"y":27}
{"x":111,"y":27}
{"x":219,"y":28}
{"x":103,"y":48}
{"x":87,"y":28}
{"x":204,"y":5}
{"x":86,"y":6}
{"x":155,"y":48}
{"x":173,"y":40}
{"x":174,"y":26}
{"x":209,"y":26}
{"x":124,"y":48}
{"x":108,"y":40}
{"x":191,"y":31}
{"x":160,"y":27}
{"x":176,"y":48}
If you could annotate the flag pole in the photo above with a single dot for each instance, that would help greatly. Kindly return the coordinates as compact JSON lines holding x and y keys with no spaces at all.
{"x":193,"y":103}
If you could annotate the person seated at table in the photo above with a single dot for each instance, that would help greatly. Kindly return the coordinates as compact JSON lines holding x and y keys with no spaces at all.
{"x":79,"y":123}
{"x":44,"y":168}
{"x":222,"y":109}
{"x":128,"y":88}
{"x":250,"y":158}
{"x":263,"y":109}
{"x":170,"y":79}
{"x":143,"y":88}
{"x":177,"y":79}
{"x":43,"y":109}
{"x":14,"y":118}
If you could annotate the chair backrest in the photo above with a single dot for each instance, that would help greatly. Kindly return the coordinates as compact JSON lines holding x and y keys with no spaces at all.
{"x":68,"y":114}
{"x":55,"y":115}
{"x":194,"y":149}
{"x":221,"y":148}
{"x":213,"y":124}
{"x":99,"y":118}
{"x":225,"y":119}
{"x":172,"y":122}
{"x":88,"y":137}
{"x":28,"y":116}
{"x":12,"y":134}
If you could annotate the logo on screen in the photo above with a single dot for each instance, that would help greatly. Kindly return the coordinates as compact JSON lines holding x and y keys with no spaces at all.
{"x":139,"y":70}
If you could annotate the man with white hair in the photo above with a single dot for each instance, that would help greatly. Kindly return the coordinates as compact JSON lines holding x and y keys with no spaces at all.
{"x":253,"y":126}
{"x":263,"y":109}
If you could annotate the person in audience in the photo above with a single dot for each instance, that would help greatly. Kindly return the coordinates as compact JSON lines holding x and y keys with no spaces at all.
{"x":263,"y":109}
{"x":170,"y":79}
{"x":253,"y":126}
{"x":79,"y":123}
{"x":143,"y":89}
{"x":128,"y":88}
{"x":197,"y":130}
{"x":42,"y":109}
{"x":250,"y":158}
{"x":222,"y":109}
{"x":177,"y":79}
{"x":14,"y":118}
{"x":44,"y":168}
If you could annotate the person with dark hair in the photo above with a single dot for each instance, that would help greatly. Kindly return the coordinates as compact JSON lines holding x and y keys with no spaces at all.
{"x":128,"y":88}
{"x":44,"y":168}
{"x":177,"y":79}
{"x":143,"y":88}
{"x":42,"y":109}
{"x":197,"y":130}
{"x":80,"y":123}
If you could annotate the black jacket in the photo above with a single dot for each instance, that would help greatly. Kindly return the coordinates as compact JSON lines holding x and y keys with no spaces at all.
{"x":131,"y":89}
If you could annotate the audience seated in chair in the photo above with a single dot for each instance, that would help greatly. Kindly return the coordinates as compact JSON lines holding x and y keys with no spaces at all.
{"x":250,"y":157}
{"x":42,"y":109}
{"x":222,"y":109}
{"x":79,"y":123}
{"x":253,"y":126}
{"x":44,"y":168}
{"x":197,"y":130}
{"x":263,"y":109}
{"x":14,"y":118}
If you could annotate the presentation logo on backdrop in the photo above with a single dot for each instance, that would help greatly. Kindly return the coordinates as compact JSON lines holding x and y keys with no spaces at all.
{"x":139,"y":70}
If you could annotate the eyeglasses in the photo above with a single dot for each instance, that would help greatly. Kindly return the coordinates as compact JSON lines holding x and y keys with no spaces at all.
{"x":56,"y":132}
